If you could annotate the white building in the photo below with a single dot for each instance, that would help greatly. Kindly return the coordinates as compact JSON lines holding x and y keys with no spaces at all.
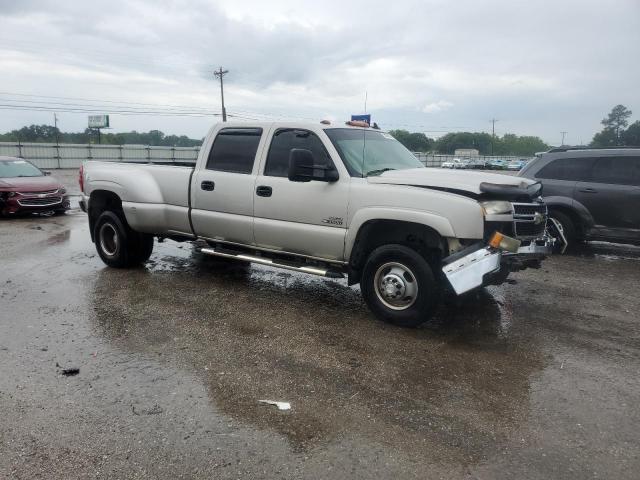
{"x":466,"y":152}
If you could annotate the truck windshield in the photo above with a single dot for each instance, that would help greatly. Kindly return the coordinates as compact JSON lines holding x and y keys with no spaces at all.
{"x":18,"y":168}
{"x":370,"y":152}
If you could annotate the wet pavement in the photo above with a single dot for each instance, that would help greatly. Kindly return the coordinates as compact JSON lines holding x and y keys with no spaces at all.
{"x":534,"y":379}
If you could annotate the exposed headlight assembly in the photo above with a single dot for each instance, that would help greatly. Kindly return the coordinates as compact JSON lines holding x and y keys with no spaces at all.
{"x":496,"y":207}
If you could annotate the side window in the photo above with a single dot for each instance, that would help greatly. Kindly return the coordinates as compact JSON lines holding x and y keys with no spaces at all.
{"x":286,"y":139}
{"x":234,"y":150}
{"x":617,"y":170}
{"x":573,"y":169}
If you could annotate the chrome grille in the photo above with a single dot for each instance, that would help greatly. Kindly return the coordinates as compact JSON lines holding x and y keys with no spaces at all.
{"x":529,"y":220}
{"x":39,"y":202}
{"x":45,"y":192}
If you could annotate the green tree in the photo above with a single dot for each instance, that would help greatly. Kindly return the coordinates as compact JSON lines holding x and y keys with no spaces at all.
{"x":525,"y":146}
{"x":617,"y":120}
{"x":509,"y":144}
{"x":605,"y":138}
{"x":450,"y":142}
{"x":47,"y":133}
{"x":631,"y":136}
{"x":416,"y":142}
{"x":33,"y":133}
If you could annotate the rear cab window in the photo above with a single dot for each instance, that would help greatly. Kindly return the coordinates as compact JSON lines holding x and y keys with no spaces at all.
{"x":234,"y":150}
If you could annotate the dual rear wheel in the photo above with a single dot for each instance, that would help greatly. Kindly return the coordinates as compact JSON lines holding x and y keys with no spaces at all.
{"x":117,"y":244}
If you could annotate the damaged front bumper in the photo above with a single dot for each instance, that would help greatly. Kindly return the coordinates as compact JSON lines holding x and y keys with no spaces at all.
{"x":481,"y":264}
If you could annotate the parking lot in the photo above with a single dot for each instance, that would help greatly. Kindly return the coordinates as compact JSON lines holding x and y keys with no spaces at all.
{"x":534,"y":379}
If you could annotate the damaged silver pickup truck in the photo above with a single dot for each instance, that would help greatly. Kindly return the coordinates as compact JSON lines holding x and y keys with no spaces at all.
{"x":326,"y":200}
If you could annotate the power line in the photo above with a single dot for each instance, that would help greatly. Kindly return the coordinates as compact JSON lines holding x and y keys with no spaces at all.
{"x":125,"y":103}
{"x":97,"y":107}
{"x":109,"y":111}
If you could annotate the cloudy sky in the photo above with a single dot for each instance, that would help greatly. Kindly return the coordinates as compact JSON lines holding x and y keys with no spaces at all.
{"x":539,"y":67}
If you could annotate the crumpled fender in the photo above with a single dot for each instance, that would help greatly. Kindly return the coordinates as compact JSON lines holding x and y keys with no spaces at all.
{"x":437,"y":222}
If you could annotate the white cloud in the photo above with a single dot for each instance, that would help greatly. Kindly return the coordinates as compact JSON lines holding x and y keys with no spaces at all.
{"x":436,"y":107}
{"x":534,"y":65}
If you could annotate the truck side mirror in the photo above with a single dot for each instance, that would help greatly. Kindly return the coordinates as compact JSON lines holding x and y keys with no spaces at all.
{"x":302,"y":168}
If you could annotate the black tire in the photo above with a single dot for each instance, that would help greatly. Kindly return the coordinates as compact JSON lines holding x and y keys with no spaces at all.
{"x":144,"y":247}
{"x":417,"y":308}
{"x":117,"y":244}
{"x":567,"y":226}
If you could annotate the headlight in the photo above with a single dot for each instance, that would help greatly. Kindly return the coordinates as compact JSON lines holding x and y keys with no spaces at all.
{"x":11,"y":194}
{"x":496,"y":207}
{"x":62,"y":190}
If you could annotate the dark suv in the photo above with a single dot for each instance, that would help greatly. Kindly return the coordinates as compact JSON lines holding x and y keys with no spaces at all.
{"x":592,"y":194}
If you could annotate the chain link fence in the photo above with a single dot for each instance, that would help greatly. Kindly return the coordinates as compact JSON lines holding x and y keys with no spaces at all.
{"x":436,"y":160}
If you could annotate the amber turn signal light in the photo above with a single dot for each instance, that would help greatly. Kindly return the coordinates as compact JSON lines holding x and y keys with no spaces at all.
{"x":502,"y":242}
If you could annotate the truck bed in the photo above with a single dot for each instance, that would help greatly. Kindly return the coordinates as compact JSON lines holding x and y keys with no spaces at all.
{"x":158,"y":203}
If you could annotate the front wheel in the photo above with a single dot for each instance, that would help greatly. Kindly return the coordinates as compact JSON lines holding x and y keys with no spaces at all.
{"x":563,"y":230}
{"x":399,"y":286}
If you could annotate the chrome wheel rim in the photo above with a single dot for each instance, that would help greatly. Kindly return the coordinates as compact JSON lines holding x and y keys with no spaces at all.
{"x":109,"y":239}
{"x":396,"y":286}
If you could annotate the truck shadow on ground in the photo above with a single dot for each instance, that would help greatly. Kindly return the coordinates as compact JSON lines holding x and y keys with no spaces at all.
{"x":457,"y":387}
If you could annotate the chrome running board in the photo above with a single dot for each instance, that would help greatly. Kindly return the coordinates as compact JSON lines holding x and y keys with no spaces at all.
{"x":272,"y":263}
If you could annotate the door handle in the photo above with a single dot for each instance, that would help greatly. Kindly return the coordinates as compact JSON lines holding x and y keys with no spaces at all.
{"x":208,"y":185}
{"x":587,"y":190}
{"x":264,"y":191}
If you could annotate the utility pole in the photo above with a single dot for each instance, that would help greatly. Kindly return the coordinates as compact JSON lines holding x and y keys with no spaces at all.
{"x":563,"y":134}
{"x":219,"y":74}
{"x":55,"y":123}
{"x":493,"y":132}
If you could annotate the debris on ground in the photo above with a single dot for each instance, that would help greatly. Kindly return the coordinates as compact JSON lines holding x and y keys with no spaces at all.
{"x":280,"y":405}
{"x":155,"y":410}
{"x":68,"y":372}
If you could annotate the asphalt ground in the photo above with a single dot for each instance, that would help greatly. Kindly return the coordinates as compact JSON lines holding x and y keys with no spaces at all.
{"x":537,"y":378}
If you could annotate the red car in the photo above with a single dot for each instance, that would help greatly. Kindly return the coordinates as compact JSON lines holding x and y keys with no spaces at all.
{"x":24,"y":188}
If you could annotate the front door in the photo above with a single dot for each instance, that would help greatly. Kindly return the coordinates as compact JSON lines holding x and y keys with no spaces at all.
{"x":613,"y":196}
{"x":222,"y":192}
{"x":307,"y":218}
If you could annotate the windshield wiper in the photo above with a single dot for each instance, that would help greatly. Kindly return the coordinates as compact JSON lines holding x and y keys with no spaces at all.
{"x":379,"y":171}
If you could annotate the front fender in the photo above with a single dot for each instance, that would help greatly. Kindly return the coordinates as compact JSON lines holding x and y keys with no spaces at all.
{"x":438,"y":223}
{"x":571,"y":204}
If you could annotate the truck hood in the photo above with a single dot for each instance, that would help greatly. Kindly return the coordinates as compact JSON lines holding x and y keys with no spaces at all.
{"x":456,"y":181}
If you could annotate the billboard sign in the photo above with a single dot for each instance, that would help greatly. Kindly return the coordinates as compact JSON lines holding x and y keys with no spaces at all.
{"x":98,"y":121}
{"x":362,"y":118}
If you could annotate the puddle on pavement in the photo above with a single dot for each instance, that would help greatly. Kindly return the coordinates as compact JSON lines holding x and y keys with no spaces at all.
{"x":251,"y":333}
{"x":607,"y":251}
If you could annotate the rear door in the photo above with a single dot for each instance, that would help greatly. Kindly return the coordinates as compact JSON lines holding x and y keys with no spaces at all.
{"x":222,"y":190}
{"x":307,"y":218}
{"x":559,"y":177}
{"x":613,"y":195}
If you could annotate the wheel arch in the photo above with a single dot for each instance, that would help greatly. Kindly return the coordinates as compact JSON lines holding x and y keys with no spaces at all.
{"x":100,"y":201}
{"x":578,"y":213}
{"x":374,"y":233}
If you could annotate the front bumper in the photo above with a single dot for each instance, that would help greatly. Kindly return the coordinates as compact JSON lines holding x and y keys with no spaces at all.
{"x":34,"y":203}
{"x":480,"y":264}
